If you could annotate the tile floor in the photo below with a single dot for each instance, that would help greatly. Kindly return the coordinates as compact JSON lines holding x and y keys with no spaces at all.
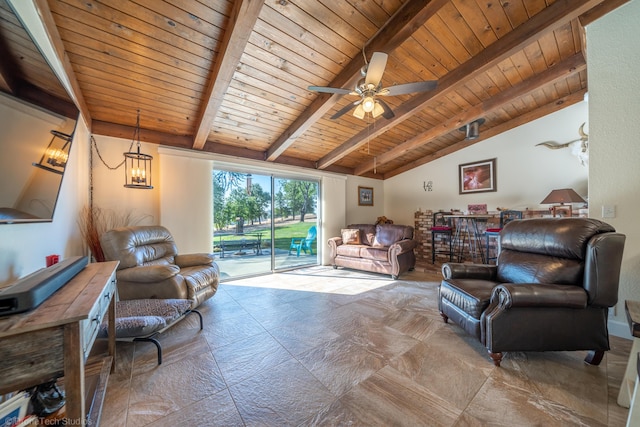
{"x":338,"y":347}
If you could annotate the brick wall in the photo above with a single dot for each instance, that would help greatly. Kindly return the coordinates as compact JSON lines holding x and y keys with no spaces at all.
{"x":424,"y":220}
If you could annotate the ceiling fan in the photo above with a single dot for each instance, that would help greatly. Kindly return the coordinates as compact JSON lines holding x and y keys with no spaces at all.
{"x":369,"y":88}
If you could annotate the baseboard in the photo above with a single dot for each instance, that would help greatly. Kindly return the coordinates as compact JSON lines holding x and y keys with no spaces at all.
{"x":619,"y":329}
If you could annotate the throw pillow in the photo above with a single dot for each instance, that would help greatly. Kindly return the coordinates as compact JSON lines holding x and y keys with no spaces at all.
{"x":350,"y":236}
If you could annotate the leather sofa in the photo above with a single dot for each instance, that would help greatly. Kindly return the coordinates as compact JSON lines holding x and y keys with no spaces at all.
{"x":382,"y":248}
{"x":551,"y":290}
{"x":150,"y":266}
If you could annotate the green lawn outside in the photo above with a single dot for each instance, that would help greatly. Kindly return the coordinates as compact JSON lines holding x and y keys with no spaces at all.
{"x":284,"y":233}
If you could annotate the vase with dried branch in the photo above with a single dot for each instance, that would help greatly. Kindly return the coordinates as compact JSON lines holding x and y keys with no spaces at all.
{"x":93,"y":222}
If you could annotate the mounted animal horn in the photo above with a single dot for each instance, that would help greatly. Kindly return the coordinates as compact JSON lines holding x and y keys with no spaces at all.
{"x":554,"y":146}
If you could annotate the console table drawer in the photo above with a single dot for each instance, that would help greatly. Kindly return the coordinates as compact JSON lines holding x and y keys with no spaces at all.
{"x":91,"y":325}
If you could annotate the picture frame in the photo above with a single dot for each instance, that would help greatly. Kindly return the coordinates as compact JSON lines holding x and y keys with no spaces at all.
{"x":365,"y":196}
{"x":477,"y":177}
{"x":563,"y":211}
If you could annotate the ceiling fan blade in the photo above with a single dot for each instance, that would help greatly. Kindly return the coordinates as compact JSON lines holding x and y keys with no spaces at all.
{"x":345,"y":109}
{"x":406,"y":88}
{"x":325,"y":89}
{"x":388,"y":112}
{"x":375,"y":69}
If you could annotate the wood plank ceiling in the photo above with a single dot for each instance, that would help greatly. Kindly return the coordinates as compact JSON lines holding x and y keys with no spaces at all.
{"x":232,"y":76}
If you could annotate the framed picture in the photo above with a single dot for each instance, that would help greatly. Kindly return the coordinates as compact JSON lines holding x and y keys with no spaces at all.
{"x":365,"y":196}
{"x":477,"y":177}
{"x":562,"y":211}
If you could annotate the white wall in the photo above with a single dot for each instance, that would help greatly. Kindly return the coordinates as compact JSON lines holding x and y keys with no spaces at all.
{"x":357,"y":214}
{"x":334,"y":202}
{"x":186,"y":201}
{"x":614,"y":105}
{"x":525,"y":173}
{"x":23,"y":247}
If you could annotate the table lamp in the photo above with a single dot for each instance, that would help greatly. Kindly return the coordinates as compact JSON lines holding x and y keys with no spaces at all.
{"x":562,"y":196}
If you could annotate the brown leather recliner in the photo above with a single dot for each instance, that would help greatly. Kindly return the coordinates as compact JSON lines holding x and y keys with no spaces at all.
{"x":550,"y":291}
{"x":150,"y":266}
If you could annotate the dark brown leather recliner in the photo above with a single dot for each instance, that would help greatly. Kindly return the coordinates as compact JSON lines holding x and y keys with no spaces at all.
{"x":550,"y":291}
{"x":150,"y":266}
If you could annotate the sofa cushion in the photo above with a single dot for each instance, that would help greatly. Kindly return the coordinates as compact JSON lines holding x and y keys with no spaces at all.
{"x":367,"y":232}
{"x":378,"y":254}
{"x":350,"y":236}
{"x":388,"y":234}
{"x":470,"y":295}
{"x":351,"y":251}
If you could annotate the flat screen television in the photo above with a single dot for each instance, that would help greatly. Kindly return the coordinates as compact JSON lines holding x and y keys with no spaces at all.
{"x":35,"y":109}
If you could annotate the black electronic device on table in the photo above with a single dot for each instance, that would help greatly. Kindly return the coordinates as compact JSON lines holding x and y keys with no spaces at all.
{"x":30,"y":291}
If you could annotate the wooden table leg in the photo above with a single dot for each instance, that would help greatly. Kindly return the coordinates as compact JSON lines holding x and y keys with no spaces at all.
{"x":112,"y":333}
{"x":74,"y":374}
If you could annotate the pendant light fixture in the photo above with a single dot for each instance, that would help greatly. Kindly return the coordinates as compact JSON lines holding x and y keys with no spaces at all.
{"x":137,"y":166}
{"x":56,"y":154}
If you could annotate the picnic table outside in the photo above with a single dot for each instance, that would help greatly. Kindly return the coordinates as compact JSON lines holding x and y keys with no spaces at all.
{"x":229,"y":242}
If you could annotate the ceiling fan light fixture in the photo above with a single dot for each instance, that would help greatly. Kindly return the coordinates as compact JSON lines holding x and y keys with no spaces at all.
{"x":368,"y":104}
{"x":377,"y":110}
{"x":359,"y":112}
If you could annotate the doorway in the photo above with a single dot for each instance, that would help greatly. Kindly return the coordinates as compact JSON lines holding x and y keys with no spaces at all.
{"x":264,"y":223}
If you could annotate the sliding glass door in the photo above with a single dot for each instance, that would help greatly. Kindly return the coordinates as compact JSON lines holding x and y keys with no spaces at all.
{"x":295,"y":222}
{"x":263,"y":223}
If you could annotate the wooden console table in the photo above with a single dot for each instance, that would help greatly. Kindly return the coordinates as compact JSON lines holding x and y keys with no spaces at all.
{"x":55,"y":338}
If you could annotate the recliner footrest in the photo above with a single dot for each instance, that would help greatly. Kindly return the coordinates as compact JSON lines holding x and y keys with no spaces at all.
{"x":143,"y":319}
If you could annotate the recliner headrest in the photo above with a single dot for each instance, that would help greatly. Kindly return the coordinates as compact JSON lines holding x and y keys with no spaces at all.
{"x":138,"y":245}
{"x":558,"y":237}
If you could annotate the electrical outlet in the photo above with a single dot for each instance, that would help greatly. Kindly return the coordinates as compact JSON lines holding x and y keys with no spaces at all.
{"x":608,"y":211}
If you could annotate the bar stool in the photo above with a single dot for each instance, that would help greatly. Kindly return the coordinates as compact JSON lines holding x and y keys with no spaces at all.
{"x":441,"y":229}
{"x":632,"y":309}
{"x":505,"y":217}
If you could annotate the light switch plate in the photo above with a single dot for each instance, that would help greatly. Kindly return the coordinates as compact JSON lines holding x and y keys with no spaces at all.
{"x":608,"y":211}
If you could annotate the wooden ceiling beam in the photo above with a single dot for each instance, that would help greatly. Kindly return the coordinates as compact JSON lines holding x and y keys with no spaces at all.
{"x":396,"y":30}
{"x":146,"y":135}
{"x":544,"y":110}
{"x":241,"y":22}
{"x":550,"y":18}
{"x":562,"y":70}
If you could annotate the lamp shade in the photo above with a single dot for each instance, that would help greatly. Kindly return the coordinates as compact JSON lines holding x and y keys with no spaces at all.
{"x":565,"y":195}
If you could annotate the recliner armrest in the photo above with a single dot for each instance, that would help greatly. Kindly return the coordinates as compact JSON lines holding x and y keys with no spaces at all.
{"x":148,"y":273}
{"x":509,"y":295}
{"x":192,"y":260}
{"x":454,"y":270}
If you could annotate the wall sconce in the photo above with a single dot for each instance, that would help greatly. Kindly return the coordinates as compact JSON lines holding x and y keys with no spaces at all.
{"x":56,"y":154}
{"x":428,"y":186}
{"x":472,"y":130}
{"x":137,"y":166}
{"x":565,"y":195}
